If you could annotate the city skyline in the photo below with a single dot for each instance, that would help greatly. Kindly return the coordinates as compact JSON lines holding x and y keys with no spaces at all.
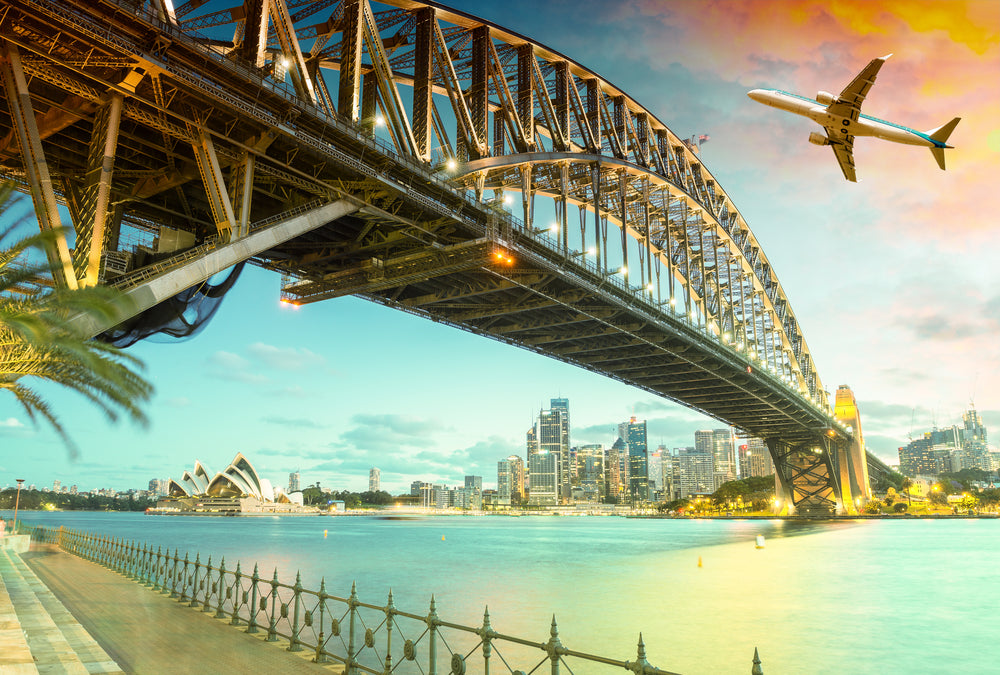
{"x":907,"y":321}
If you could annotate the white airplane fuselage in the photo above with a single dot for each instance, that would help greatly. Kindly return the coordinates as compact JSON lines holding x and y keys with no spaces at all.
{"x":863,"y":126}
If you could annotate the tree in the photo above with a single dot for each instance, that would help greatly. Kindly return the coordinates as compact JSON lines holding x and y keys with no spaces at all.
{"x":874,"y":507}
{"x":905,"y":485}
{"x":968,"y":502}
{"x":38,"y":340}
{"x":899,"y":507}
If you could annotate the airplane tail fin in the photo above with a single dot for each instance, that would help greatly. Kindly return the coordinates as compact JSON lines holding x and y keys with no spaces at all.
{"x":941,"y":135}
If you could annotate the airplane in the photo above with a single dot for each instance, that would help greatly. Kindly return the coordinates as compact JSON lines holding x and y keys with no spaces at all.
{"x":841,"y":118}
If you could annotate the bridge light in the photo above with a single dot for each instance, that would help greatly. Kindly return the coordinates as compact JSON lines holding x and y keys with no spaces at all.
{"x":451,"y":164}
{"x":592,"y":251}
{"x":649,"y":287}
{"x":554,"y":228}
{"x":508,"y":200}
{"x":379,"y":121}
{"x":624,"y":271}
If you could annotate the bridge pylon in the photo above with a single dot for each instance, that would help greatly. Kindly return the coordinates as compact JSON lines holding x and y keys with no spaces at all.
{"x":807,"y":481}
{"x":851,"y":457}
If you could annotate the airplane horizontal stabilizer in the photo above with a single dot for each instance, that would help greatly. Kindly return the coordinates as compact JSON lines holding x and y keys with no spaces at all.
{"x":942,"y":133}
{"x":939,"y":156}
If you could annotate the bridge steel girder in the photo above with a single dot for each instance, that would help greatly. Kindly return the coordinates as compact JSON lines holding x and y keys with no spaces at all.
{"x":709,"y":320}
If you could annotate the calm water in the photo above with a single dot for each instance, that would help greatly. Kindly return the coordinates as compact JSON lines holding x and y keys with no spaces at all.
{"x":908,"y":596}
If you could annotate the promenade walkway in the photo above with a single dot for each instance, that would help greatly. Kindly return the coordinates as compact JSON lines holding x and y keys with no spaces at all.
{"x":111,"y":624}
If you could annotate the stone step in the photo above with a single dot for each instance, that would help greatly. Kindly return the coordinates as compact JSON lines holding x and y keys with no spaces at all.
{"x":15,"y":656}
{"x":50,"y":651}
{"x":91,"y":654}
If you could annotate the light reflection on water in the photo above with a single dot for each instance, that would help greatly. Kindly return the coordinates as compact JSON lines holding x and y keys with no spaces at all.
{"x":844,"y":596}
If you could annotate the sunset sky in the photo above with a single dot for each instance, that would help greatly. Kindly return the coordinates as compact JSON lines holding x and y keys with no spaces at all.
{"x":894,"y":279}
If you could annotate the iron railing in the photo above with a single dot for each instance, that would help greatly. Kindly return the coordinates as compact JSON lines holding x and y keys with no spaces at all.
{"x":365,"y":638}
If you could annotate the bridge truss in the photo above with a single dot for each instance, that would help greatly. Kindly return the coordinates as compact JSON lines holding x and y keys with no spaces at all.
{"x":377,"y":150}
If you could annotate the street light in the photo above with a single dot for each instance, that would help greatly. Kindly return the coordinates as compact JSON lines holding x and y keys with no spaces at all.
{"x":17,"y":502}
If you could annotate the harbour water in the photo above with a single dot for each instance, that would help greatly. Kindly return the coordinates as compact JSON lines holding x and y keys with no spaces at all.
{"x":879,"y":596}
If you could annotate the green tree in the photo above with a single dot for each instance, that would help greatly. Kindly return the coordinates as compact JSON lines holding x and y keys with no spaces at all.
{"x":899,"y":507}
{"x":968,"y":502}
{"x":905,"y":486}
{"x":874,"y":507}
{"x":38,"y":340}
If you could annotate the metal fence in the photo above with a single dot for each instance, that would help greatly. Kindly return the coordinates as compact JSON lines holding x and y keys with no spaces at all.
{"x":365,"y":638}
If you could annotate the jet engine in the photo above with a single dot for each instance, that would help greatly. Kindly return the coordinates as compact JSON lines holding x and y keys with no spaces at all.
{"x":825,"y":98}
{"x":818,"y":139}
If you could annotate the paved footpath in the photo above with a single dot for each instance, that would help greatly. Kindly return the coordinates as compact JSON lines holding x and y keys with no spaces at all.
{"x":145,"y":631}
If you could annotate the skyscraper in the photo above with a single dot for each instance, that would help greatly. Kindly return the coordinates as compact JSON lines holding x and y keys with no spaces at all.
{"x":590,"y":472}
{"x":615,"y":475}
{"x":293,"y":482}
{"x":695,"y":472}
{"x":510,"y":480}
{"x":543,"y":476}
{"x":633,"y":433}
{"x":719,"y":444}
{"x":374,"y":480}
{"x":754,"y":458}
{"x":566,"y":468}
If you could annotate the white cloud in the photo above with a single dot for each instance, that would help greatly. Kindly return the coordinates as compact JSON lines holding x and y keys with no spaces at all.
{"x":285,"y":358}
{"x":11,"y":423}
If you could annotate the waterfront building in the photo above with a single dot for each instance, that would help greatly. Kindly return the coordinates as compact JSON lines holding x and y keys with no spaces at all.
{"x":543,"y":477}
{"x":754,"y":458}
{"x":553,"y":439}
{"x":591,"y":480}
{"x":293,"y":482}
{"x":374,"y":480}
{"x":616,"y":472}
{"x":55,"y":486}
{"x":510,"y":480}
{"x":974,"y":451}
{"x":236,"y":490}
{"x":474,"y":482}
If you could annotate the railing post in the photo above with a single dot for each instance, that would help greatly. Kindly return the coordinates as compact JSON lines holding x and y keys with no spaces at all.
{"x":486,"y":634}
{"x":390,"y":612}
{"x":293,"y":643}
{"x":756,"y":670}
{"x":252,"y":619}
{"x":220,"y":584}
{"x":194,"y":583}
{"x":238,"y":598}
{"x":184,"y":579}
{"x":206,"y":597}
{"x":320,"y":640}
{"x":641,"y":664}
{"x":272,"y":633}
{"x":173,"y":575}
{"x":432,"y":623}
{"x":352,"y":604}
{"x":554,"y":646}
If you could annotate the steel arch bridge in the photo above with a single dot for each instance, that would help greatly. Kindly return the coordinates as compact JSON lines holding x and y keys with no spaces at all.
{"x":377,"y":150}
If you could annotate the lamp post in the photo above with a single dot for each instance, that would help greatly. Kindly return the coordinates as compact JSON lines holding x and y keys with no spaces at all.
{"x":17,"y":502}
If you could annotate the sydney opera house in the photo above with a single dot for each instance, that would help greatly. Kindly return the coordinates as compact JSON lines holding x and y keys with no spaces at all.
{"x":238,"y":490}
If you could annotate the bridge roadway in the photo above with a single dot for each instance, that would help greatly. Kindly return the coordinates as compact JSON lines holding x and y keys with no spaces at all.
{"x":178,"y":149}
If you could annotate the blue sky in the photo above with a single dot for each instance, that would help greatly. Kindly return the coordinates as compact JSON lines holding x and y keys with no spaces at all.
{"x":893,"y":279}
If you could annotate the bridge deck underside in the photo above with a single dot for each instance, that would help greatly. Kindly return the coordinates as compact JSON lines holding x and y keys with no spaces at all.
{"x":512,"y":293}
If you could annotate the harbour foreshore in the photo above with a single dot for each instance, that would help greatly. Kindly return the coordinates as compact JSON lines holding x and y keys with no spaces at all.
{"x":140,"y":631}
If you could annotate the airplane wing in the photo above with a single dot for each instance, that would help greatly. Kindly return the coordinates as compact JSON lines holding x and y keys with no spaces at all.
{"x":850,"y":100}
{"x":843,"y":148}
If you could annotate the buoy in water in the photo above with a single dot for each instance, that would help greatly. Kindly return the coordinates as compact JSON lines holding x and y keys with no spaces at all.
{"x":324,"y":534}
{"x":442,"y":537}
{"x":699,"y":561}
{"x":759,"y":541}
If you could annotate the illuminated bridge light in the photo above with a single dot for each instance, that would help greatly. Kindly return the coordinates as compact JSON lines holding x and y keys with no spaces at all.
{"x":451,"y":164}
{"x":379,"y":121}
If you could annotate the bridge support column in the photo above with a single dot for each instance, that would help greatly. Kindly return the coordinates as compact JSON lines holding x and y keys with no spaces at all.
{"x":807,"y":480}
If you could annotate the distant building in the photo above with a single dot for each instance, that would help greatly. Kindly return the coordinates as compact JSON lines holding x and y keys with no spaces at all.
{"x":616,"y":472}
{"x":374,"y":480}
{"x":543,"y":477}
{"x":633,"y":433}
{"x":55,"y":485}
{"x":474,"y":482}
{"x":510,"y":480}
{"x":696,"y":474}
{"x":754,"y":458}
{"x":293,"y":482}
{"x":591,"y":480}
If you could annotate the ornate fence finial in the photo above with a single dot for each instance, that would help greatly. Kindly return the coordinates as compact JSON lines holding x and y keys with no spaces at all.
{"x":757,"y":670}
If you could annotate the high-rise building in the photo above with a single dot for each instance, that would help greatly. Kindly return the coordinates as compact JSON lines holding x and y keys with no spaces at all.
{"x":553,"y":438}
{"x":474,"y":482}
{"x":590,"y":465}
{"x":718,"y":443}
{"x":974,"y":451}
{"x":696,"y":474}
{"x":374,"y":480}
{"x":633,"y":433}
{"x":293,"y":482}
{"x":543,"y":477}
{"x":510,"y":480}
{"x":917,"y":459}
{"x":754,"y":458}
{"x":55,"y":485}
{"x":616,"y":472}
{"x":566,"y":468}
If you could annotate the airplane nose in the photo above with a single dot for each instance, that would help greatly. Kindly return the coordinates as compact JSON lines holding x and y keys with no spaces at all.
{"x":756,"y":94}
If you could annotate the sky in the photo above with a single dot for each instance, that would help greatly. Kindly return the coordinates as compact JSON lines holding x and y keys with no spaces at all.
{"x":894,"y":279}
